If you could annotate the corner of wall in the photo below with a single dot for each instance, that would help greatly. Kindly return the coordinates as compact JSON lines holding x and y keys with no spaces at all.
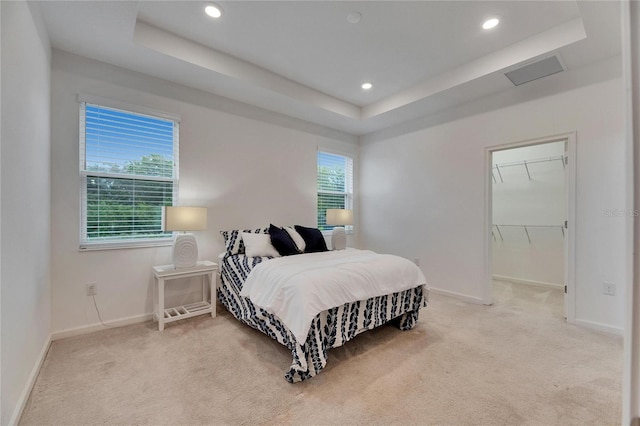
{"x":31,"y":381}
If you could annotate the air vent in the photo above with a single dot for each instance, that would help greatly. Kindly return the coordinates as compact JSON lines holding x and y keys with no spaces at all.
{"x":535,"y":70}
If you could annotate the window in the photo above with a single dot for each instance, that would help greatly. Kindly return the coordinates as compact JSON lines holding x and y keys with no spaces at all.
{"x":335,"y":185}
{"x":129,"y":171}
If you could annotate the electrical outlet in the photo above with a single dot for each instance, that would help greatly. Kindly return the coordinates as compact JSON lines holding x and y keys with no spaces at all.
{"x":609,"y":289}
{"x":92,"y":289}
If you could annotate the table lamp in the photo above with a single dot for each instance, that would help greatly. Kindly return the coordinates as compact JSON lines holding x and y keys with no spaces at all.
{"x":339,"y":217}
{"x":185,"y":247}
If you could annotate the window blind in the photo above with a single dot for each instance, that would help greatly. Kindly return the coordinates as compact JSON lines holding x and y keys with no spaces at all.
{"x":335,"y":185}
{"x":129,"y":171}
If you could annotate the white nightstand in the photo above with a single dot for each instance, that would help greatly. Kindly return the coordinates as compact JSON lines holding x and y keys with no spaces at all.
{"x":163,"y":315}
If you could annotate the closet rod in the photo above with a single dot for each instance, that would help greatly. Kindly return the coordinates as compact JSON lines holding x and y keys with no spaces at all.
{"x":526,"y":229}
{"x":535,"y":160}
{"x":535,"y":226}
{"x":524,"y":163}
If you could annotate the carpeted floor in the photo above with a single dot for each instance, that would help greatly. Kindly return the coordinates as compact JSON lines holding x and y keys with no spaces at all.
{"x":514,"y":363}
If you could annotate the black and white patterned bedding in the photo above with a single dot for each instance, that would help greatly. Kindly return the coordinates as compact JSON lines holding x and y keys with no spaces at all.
{"x":329,"y":329}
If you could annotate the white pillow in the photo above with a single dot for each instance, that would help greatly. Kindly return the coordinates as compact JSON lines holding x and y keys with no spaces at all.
{"x":296,"y":237}
{"x":258,"y":245}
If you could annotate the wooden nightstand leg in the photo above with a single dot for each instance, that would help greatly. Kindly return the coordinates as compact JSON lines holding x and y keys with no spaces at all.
{"x":154,"y":287}
{"x":204,"y":288}
{"x":212,"y":292}
{"x":161,"y":304}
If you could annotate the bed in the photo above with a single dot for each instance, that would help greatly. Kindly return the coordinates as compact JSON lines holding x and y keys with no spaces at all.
{"x":269,"y":293}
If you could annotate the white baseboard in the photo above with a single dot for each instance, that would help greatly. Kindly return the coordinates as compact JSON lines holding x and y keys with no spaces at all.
{"x":466,"y":298}
{"x":26,"y":392}
{"x":86,"y":329}
{"x":528,"y":282}
{"x":24,"y":396}
{"x":605,"y":328}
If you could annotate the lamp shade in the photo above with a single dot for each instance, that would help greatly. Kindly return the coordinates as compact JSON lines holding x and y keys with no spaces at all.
{"x":339,"y":217}
{"x":179,"y":218}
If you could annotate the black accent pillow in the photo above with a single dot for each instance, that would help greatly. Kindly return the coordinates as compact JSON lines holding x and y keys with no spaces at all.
{"x":313,"y":239}
{"x":282,"y":241}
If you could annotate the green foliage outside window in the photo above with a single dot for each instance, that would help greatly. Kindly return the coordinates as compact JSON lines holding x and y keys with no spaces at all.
{"x":125,"y":208}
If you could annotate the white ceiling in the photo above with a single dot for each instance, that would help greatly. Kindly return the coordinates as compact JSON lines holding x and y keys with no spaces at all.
{"x":305,"y":60}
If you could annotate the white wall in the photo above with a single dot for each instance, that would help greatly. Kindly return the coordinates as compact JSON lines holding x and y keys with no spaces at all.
{"x":423,"y":194}
{"x":518,"y":200}
{"x":247,"y":172}
{"x":25,"y":226}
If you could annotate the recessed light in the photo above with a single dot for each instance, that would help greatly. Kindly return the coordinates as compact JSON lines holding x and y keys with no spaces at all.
{"x":490,"y":23}
{"x":366,"y":86}
{"x":213,"y":10}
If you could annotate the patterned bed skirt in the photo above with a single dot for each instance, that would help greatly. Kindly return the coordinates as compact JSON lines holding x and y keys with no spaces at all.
{"x":329,"y":329}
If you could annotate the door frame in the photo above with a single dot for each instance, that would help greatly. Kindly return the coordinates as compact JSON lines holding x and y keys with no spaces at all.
{"x":570,"y":241}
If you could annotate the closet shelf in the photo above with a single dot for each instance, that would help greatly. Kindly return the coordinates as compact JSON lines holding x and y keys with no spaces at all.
{"x":526,"y":229}
{"x":524,"y":163}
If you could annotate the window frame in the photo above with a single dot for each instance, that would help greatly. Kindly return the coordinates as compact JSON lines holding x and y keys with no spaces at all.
{"x":84,"y":174}
{"x":349,"y":192}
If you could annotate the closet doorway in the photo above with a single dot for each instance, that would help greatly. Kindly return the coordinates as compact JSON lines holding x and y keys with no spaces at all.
{"x":530,"y":198}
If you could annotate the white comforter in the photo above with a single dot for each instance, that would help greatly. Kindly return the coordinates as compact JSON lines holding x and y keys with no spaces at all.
{"x":297,"y":288}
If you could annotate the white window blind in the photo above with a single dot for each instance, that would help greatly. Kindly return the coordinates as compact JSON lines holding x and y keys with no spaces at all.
{"x":129,"y":171}
{"x":335,"y":185}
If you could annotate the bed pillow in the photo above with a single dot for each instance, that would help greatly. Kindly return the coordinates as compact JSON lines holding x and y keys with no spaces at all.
{"x":282,"y":241}
{"x":296,"y":237}
{"x":258,"y":245}
{"x":233,"y":239}
{"x":313,"y":239}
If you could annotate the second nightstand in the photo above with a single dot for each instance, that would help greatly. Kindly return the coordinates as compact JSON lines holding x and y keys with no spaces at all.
{"x":161,"y":274}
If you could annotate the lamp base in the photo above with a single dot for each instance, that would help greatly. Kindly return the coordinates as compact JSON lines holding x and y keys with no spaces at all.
{"x":185,"y":251}
{"x":338,"y":238}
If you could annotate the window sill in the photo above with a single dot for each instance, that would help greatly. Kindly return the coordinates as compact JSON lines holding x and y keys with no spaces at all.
{"x":328,"y":233}
{"x":164,"y":242}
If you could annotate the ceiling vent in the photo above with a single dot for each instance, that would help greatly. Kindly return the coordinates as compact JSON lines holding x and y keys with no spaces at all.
{"x":535,"y":70}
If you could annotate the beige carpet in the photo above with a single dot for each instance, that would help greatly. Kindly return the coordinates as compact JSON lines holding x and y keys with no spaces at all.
{"x":515,"y":363}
